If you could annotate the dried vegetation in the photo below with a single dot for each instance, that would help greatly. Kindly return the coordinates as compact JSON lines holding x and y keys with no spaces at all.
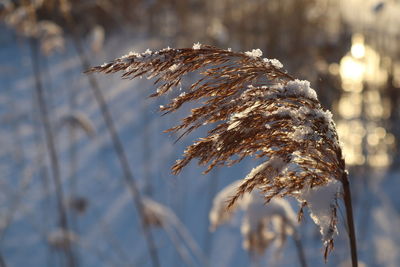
{"x":255,"y":109}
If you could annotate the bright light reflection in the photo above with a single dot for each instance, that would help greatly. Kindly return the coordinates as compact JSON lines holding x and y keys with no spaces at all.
{"x":351,"y":70}
{"x":350,"y":105}
{"x":351,"y":135}
{"x":357,"y":47}
{"x":362,"y":106}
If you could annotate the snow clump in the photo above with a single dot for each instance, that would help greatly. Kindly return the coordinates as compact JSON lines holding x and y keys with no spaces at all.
{"x":274,"y":62}
{"x":301,"y":87}
{"x":321,"y":201}
{"x":255,"y":53}
{"x":196,"y":46}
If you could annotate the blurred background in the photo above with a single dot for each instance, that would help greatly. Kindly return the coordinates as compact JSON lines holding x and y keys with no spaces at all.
{"x":65,"y":198}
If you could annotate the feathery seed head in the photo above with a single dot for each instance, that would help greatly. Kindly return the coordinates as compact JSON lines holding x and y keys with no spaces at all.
{"x":257,"y":109}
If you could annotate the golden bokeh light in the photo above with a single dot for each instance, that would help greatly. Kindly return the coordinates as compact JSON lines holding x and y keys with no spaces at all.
{"x":358,"y":48}
{"x":350,"y":105}
{"x":362,"y":107}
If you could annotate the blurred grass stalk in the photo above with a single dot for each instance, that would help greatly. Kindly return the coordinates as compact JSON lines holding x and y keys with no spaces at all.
{"x":49,"y":136}
{"x":116,"y":141}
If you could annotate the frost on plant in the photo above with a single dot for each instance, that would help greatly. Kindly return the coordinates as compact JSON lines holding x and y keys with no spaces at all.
{"x":255,"y":108}
{"x":219,"y":213}
{"x":262,"y":225}
{"x":321,"y":202}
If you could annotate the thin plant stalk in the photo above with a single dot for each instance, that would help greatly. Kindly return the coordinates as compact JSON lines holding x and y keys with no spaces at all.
{"x":183,"y":253}
{"x":73,"y":157}
{"x":43,"y":172}
{"x":212,"y":190}
{"x":146,"y":153}
{"x":123,"y":258}
{"x":184,"y":234}
{"x":117,"y":143}
{"x":299,"y":249}
{"x":73,"y":163}
{"x":49,"y":136}
{"x":2,"y":261}
{"x":350,"y":219}
{"x":297,"y":242}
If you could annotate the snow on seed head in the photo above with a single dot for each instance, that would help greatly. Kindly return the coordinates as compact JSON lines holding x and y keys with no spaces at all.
{"x":274,"y":62}
{"x":255,"y":53}
{"x":196,"y":46}
{"x":301,"y":87}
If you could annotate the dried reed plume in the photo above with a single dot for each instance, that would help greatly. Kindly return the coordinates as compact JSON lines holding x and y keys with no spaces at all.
{"x":262,"y":225}
{"x":255,"y":109}
{"x":23,"y":18}
{"x":219,"y":214}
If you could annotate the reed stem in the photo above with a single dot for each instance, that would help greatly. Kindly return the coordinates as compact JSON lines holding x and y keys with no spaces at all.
{"x":49,"y":136}
{"x":350,"y":219}
{"x":116,"y":141}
